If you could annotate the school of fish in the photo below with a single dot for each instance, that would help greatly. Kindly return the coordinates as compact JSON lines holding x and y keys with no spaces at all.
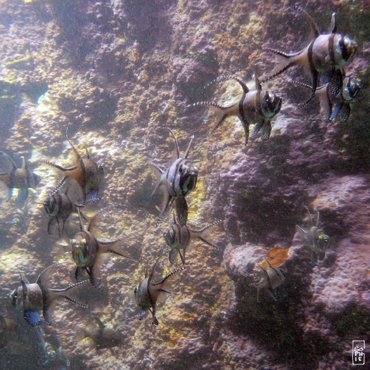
{"x":325,"y":58}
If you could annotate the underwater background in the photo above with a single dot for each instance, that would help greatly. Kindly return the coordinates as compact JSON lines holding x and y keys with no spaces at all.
{"x":115,"y":75}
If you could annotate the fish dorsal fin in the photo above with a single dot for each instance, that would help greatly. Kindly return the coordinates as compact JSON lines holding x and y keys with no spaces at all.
{"x":24,"y":283}
{"x":314,"y":28}
{"x":76,"y":154}
{"x":100,"y":323}
{"x":39,"y":280}
{"x":310,"y":215}
{"x":176,"y":142}
{"x":188,"y":148}
{"x":333,"y":23}
{"x":24,"y":278}
{"x":257,"y":82}
{"x":242,"y":84}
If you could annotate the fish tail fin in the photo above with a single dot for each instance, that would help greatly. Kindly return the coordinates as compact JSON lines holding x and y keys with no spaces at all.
{"x":115,"y":248}
{"x":67,"y":293}
{"x":223,"y":112}
{"x":201,"y":234}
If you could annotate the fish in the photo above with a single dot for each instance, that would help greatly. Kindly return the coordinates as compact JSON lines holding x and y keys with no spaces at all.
{"x":336,"y":96}
{"x":178,"y":180}
{"x":31,"y":298}
{"x":178,"y":238}
{"x":149,"y":292}
{"x":86,"y":248}
{"x":267,"y":277}
{"x":315,"y":238}
{"x":85,"y":171}
{"x":255,"y":106}
{"x":103,"y":336}
{"x":326,"y":52}
{"x":59,"y":207}
{"x":21,"y":178}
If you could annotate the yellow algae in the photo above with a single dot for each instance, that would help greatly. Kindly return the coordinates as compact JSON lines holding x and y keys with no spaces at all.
{"x":20,"y":61}
{"x":11,"y":259}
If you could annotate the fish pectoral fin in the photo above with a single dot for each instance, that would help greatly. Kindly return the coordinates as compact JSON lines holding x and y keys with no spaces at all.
{"x":32,"y":317}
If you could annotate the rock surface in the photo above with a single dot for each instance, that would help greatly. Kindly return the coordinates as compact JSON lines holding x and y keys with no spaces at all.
{"x":116,"y":74}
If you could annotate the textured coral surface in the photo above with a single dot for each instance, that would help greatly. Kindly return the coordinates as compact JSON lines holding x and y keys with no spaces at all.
{"x":117,"y":73}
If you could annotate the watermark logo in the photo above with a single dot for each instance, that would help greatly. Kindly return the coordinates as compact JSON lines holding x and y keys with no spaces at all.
{"x":358,"y":352}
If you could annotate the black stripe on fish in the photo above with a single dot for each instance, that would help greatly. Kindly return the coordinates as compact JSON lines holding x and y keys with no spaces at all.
{"x":331,"y":49}
{"x":243,"y":118}
{"x":175,"y":175}
{"x":258,"y":102}
{"x":314,"y":74}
